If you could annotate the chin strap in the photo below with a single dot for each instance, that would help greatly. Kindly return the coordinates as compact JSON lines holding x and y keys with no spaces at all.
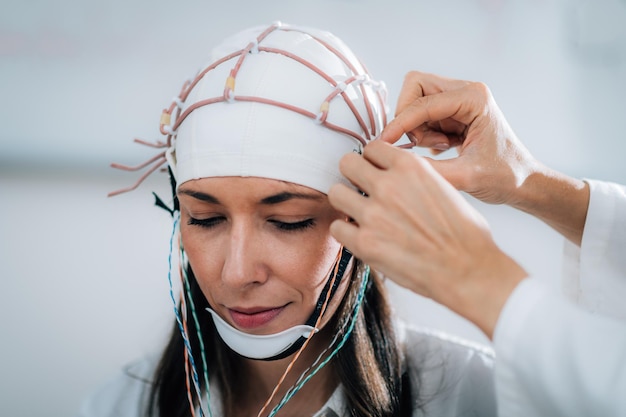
{"x":290,"y":341}
{"x":341,"y":269}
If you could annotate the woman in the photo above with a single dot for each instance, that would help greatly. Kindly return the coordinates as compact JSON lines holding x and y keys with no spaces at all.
{"x":275,"y":316}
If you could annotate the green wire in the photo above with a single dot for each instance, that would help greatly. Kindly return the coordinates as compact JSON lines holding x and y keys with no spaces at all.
{"x":197,"y":323}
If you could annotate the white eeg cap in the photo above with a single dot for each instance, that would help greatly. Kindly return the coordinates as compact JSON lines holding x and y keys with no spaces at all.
{"x":236,"y":137}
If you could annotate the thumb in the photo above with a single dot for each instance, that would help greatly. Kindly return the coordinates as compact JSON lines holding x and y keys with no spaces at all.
{"x":452,"y":170}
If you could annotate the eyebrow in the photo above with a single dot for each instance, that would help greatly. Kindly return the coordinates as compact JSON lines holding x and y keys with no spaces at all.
{"x":270,"y":200}
{"x":200,"y":196}
{"x":284,"y":196}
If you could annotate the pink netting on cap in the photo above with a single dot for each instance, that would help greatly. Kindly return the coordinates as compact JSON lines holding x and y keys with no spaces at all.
{"x":371,"y":93}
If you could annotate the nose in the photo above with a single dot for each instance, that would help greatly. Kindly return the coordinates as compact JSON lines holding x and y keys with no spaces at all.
{"x":244,"y":257}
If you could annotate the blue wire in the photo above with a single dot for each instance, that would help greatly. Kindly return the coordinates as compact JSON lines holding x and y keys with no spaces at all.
{"x":199,"y":333}
{"x":177,"y":314}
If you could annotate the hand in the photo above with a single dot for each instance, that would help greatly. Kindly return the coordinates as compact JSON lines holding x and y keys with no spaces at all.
{"x":492,"y":164}
{"x":415,"y":228}
{"x":439,"y":113}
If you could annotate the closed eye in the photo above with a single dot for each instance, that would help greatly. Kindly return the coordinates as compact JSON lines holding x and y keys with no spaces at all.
{"x":207,"y":223}
{"x":292,"y":227}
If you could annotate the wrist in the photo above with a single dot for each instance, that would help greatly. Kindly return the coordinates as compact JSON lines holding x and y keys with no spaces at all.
{"x":480,"y":295}
{"x":558,"y":200}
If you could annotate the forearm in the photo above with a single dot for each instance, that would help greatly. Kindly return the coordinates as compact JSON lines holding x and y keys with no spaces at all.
{"x":558,"y":200}
{"x":482,"y":293}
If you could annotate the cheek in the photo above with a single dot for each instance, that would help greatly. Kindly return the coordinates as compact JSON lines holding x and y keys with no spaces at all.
{"x":192,"y":248}
{"x":203,"y":260}
{"x":315,"y":264}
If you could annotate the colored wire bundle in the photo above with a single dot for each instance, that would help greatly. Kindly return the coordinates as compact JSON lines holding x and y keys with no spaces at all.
{"x":297,"y":355}
{"x":182,"y":326}
{"x":205,"y":368}
{"x":304,"y":379}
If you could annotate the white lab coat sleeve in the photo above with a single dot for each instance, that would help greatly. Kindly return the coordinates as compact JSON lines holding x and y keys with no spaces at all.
{"x":560,"y":357}
{"x":595,"y":273}
{"x":555,"y":359}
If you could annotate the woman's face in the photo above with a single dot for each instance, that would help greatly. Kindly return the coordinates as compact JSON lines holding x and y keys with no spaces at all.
{"x":260,"y":249}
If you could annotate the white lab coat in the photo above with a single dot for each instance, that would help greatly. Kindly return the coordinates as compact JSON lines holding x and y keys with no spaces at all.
{"x":566,"y":356}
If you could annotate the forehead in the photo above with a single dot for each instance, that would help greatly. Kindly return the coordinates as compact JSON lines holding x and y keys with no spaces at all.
{"x":247,"y":188}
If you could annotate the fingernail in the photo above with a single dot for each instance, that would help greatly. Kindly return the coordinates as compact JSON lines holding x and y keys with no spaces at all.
{"x":443,"y":146}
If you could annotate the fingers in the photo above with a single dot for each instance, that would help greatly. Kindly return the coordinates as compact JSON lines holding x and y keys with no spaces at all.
{"x":452,"y":170}
{"x":419,"y":84}
{"x":439,"y":135}
{"x":346,"y":200}
{"x":346,"y":233}
{"x":411,"y":90}
{"x":366,"y":173}
{"x":427,"y":137}
{"x":356,"y":169}
{"x":363,"y":171}
{"x":349,"y":233}
{"x":382,"y":154}
{"x":456,"y":108}
{"x":446,"y":105}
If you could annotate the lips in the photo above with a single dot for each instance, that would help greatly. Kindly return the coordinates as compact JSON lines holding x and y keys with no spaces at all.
{"x":251,"y":318}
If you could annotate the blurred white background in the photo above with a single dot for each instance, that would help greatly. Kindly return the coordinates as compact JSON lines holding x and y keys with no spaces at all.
{"x":84,"y":277}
